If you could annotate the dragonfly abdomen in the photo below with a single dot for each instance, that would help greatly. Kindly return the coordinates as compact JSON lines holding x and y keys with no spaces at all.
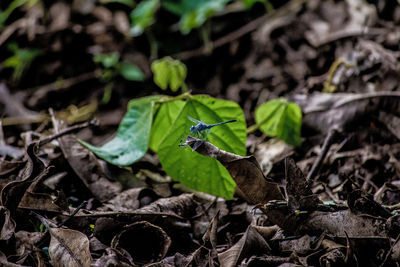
{"x":212,"y":125}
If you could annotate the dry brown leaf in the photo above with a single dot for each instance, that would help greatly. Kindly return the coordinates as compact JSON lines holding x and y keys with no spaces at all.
{"x":40,"y":201}
{"x":298,"y":190}
{"x":251,"y":243}
{"x":8,"y":224}
{"x":251,"y":183}
{"x":69,"y":248}
{"x":13,"y":192}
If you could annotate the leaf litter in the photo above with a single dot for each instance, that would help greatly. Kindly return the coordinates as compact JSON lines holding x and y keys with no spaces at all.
{"x":335,"y":203}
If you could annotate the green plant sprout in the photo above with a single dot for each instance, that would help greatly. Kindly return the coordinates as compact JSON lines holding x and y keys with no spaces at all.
{"x":113,"y":67}
{"x":21,"y":60}
{"x":170,"y":73}
{"x":280,"y":118}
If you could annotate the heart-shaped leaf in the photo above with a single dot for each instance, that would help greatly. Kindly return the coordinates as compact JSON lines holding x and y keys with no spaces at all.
{"x":196,"y":171}
{"x":282,"y":119}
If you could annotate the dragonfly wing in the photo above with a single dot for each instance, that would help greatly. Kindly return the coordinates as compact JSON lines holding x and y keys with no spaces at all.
{"x":194,"y":120}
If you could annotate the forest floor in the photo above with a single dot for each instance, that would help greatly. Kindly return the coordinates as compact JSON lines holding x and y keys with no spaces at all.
{"x":68,"y":70}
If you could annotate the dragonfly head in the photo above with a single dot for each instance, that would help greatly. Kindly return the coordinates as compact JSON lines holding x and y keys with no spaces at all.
{"x":192,"y":128}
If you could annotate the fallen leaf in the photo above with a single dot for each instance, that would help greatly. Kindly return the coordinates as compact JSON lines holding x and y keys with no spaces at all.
{"x":252,"y":185}
{"x":69,"y":248}
{"x":8,"y":224}
{"x":251,"y":243}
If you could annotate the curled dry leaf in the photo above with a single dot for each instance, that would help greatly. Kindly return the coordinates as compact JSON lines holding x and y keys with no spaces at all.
{"x":145,"y":242}
{"x":251,"y":243}
{"x":251,"y":183}
{"x":207,"y":252}
{"x":8,"y":224}
{"x":298,"y":190}
{"x":13,"y":192}
{"x":69,"y":248}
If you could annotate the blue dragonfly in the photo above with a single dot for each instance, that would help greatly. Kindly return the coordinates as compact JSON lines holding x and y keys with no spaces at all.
{"x":201,"y":129}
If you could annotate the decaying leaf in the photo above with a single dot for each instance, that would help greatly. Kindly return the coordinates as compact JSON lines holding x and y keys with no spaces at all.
{"x":298,"y":190}
{"x":8,"y":224}
{"x":69,"y":248}
{"x":251,"y":243}
{"x":251,"y":183}
{"x":13,"y":192}
{"x":40,"y":201}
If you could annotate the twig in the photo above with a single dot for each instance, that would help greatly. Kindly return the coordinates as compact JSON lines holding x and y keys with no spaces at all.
{"x":60,"y":84}
{"x":249,"y":27}
{"x":325,"y":147}
{"x":84,"y":203}
{"x":390,"y":251}
{"x":68,"y":130}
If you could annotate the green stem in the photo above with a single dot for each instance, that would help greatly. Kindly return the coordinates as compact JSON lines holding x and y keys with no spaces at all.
{"x":166,"y":99}
{"x":205,"y":32}
{"x":252,"y":128}
{"x":153,"y":45}
{"x":268,"y":6}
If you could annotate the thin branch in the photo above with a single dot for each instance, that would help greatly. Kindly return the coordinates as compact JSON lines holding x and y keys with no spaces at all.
{"x":249,"y":27}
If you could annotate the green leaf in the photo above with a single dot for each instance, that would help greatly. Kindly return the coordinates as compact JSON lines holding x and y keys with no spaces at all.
{"x":196,"y":17}
{"x":108,"y":60}
{"x":11,"y":7}
{"x":143,"y":16}
{"x":193,"y":13}
{"x":132,"y":139}
{"x":202,"y":173}
{"x":21,"y":60}
{"x":169,"y":72}
{"x":164,"y":118}
{"x":282,"y":119}
{"x":131,"y":72}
